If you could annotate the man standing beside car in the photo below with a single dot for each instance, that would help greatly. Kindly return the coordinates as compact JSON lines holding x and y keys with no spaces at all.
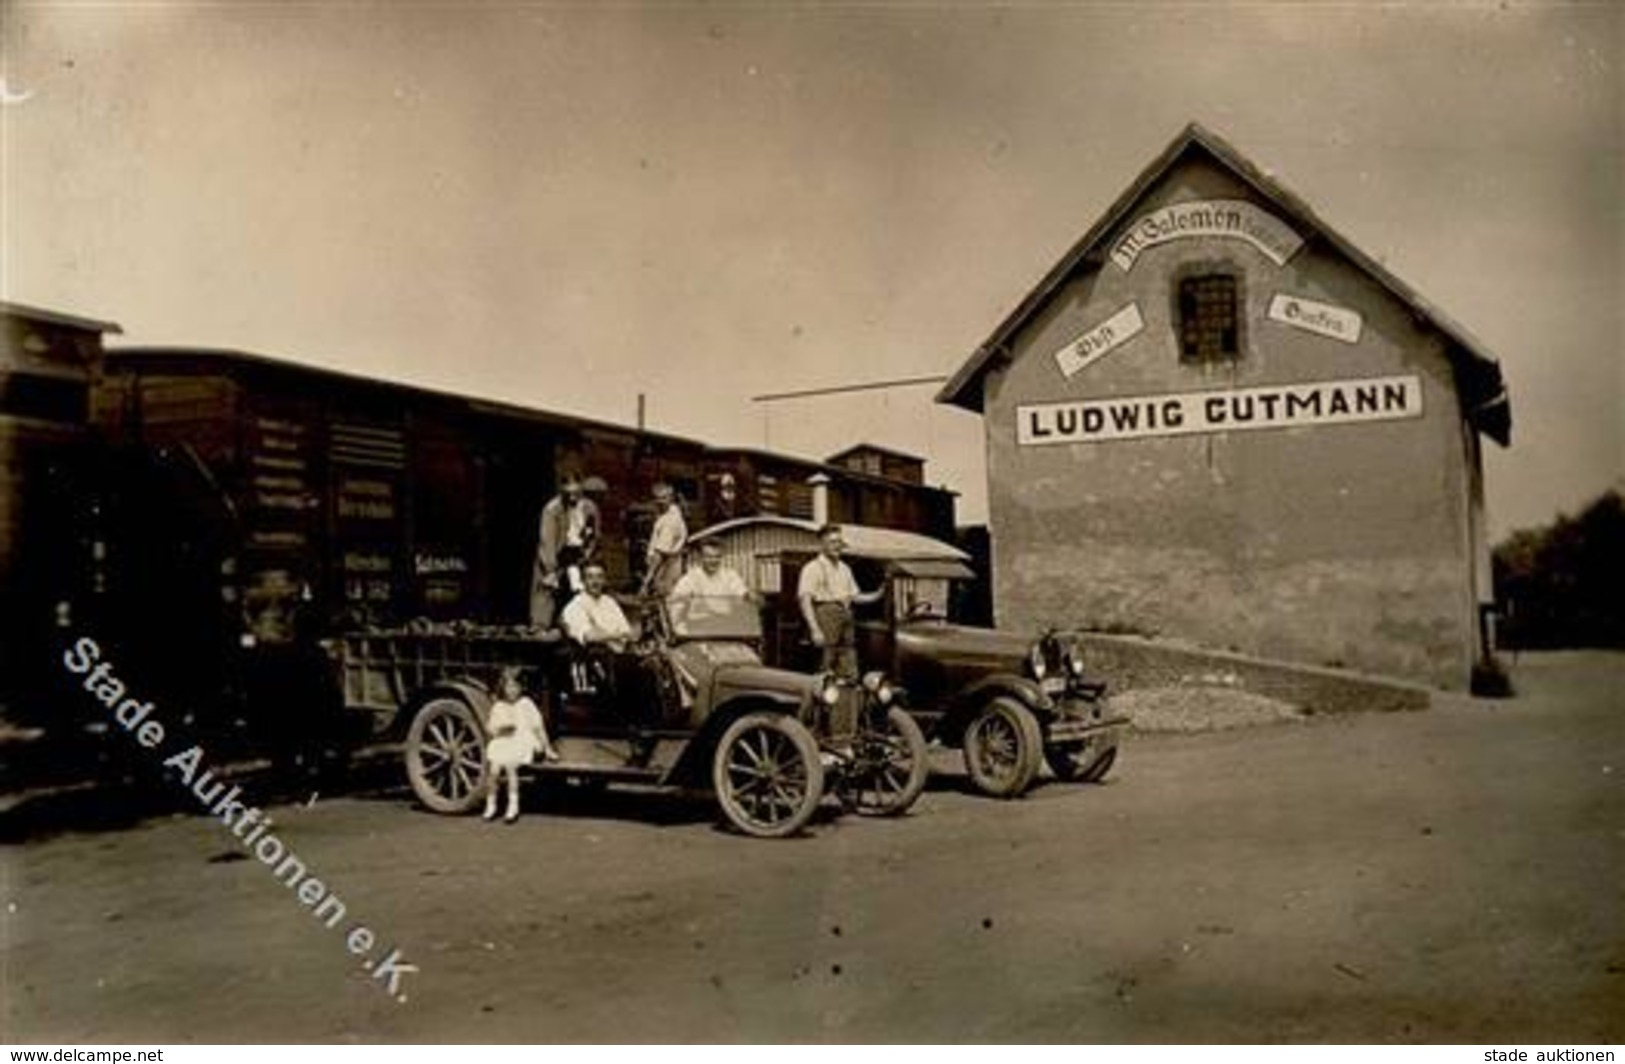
{"x":827,"y":591}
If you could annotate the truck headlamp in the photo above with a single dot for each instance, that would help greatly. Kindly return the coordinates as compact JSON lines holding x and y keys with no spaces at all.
{"x":830,"y":692}
{"x":1035,"y":661}
{"x":879,"y":688}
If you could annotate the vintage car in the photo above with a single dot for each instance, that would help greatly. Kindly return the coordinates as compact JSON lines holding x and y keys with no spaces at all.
{"x":1010,"y":702}
{"x":687,"y":705}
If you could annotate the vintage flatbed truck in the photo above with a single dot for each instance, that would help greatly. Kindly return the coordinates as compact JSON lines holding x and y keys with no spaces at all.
{"x":686,"y":705}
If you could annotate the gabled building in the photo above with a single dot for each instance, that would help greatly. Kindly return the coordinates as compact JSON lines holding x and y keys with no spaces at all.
{"x":879,"y":461}
{"x":1216,"y":419}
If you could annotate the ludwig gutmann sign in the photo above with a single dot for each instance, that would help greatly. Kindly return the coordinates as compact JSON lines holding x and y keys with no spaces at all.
{"x":1278,"y":406}
{"x":1231,"y":219}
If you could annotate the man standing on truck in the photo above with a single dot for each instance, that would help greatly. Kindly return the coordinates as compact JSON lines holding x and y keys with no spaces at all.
{"x":827,"y":591}
{"x":664,"y":555}
{"x":567,"y":538}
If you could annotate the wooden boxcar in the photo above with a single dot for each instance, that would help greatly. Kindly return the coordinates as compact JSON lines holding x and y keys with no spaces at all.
{"x":242,"y":508}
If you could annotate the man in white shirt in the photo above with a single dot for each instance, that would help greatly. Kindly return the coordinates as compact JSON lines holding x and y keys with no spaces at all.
{"x":827,"y":592}
{"x":707,"y":590}
{"x":664,"y":556}
{"x":593,"y":617}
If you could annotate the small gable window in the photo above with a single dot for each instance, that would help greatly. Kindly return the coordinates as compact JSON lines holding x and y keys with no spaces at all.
{"x":1209,"y":318}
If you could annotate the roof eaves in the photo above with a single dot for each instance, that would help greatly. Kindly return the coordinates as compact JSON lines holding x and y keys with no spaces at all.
{"x":877,"y":448}
{"x":996,"y":345}
{"x":233,"y":358}
{"x":56,"y":317}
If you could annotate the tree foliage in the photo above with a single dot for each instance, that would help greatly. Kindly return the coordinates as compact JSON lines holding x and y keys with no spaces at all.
{"x":1564,"y":585}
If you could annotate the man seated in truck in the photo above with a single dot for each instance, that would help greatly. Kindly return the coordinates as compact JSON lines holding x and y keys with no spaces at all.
{"x":594,"y":620}
{"x":711,"y":589}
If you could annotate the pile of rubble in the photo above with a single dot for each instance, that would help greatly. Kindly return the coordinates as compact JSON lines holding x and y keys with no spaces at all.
{"x":1201,"y":707}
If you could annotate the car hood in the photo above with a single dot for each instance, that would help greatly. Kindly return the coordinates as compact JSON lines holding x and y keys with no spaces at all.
{"x":962,"y":644}
{"x":762,"y":678}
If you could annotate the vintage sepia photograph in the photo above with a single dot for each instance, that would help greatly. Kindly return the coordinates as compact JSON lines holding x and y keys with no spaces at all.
{"x":727,"y":523}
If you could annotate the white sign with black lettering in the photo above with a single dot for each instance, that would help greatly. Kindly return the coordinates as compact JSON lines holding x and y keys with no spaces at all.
{"x":1322,"y":319}
{"x":1115,"y":331}
{"x":1276,"y":406}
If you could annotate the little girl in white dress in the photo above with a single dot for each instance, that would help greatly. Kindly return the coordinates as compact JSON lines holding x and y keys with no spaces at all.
{"x":517,"y":735}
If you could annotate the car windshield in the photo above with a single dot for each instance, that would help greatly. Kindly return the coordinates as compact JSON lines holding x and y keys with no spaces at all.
{"x":714,"y":617}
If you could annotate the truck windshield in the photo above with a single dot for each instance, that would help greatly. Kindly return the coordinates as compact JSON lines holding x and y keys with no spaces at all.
{"x":714,"y":617}
{"x":919,"y":597}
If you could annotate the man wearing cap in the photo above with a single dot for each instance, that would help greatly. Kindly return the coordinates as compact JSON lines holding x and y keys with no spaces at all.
{"x":566,"y":539}
{"x":827,"y":592}
{"x":664,"y":555}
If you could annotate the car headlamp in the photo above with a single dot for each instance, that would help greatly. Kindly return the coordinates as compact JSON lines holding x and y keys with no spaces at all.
{"x":830,"y":692}
{"x":1035,"y":661}
{"x":1074,"y":661}
{"x":873,"y":680}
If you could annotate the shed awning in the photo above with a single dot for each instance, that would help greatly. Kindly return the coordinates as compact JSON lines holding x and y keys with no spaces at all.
{"x":934,"y":569}
{"x":862,"y":541}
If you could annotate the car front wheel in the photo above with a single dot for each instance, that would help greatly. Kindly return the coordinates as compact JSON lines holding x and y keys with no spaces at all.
{"x":767,"y":775}
{"x":1003,"y":746}
{"x":889,"y":767}
{"x":445,"y":756}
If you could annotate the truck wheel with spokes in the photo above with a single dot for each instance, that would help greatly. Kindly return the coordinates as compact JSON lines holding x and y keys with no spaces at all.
{"x":768,"y":775}
{"x":445,"y":756}
{"x":891,"y":767}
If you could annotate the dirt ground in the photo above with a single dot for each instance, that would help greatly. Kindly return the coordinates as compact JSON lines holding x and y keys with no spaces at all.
{"x":1454,"y":875}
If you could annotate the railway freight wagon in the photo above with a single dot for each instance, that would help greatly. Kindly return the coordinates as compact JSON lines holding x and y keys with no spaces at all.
{"x":238,"y":509}
{"x":241,"y":509}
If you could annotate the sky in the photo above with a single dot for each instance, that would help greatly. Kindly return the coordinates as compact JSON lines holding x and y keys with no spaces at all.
{"x":566,"y":206}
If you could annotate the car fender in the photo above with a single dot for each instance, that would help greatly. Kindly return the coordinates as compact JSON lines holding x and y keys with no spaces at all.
{"x":693,"y":768}
{"x":972,"y":698}
{"x":470,"y":692}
